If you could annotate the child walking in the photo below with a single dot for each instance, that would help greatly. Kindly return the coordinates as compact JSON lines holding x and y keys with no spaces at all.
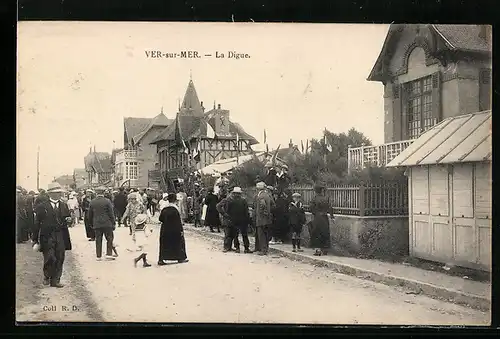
{"x":143,"y":234}
{"x":297,"y":221}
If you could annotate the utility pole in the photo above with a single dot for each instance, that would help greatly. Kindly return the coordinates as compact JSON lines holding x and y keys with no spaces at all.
{"x":38,"y":168}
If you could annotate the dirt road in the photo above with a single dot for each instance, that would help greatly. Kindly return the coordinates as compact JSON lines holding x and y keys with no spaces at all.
{"x":246,"y":288}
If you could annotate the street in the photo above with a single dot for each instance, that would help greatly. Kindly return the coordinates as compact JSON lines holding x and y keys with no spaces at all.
{"x":218,"y":287}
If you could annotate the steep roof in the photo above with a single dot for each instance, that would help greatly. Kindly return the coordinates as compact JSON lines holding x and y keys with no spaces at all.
{"x":98,"y":161}
{"x":158,"y":121}
{"x":134,"y":126}
{"x":196,"y":126}
{"x":464,"y":138}
{"x":191,"y":102}
{"x":465,"y":38}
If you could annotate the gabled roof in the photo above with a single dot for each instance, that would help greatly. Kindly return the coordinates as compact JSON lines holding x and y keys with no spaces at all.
{"x":158,"y":121}
{"x":196,"y":126}
{"x":98,"y":161}
{"x":464,"y":138}
{"x":466,"y":38}
{"x":134,"y":126}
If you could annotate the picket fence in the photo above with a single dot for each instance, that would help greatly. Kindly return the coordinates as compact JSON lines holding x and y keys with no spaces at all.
{"x":387,"y":198}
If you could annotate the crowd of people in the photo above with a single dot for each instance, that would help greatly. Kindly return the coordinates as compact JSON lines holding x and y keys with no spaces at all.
{"x":274,"y":215}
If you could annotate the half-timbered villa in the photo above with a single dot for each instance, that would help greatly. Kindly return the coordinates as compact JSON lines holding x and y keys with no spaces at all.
{"x":197,"y":138}
{"x":98,"y":167}
{"x":429,"y":73}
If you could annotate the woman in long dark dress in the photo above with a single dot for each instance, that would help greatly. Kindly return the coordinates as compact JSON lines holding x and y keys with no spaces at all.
{"x":212,"y":218}
{"x":172,"y":243}
{"x":319,"y":228}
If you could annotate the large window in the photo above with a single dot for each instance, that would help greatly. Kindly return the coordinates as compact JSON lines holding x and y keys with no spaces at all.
{"x":131,"y":170}
{"x":419,"y":106}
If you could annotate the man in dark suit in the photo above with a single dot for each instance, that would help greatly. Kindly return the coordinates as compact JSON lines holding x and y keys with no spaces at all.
{"x":102,"y":220}
{"x":51,"y":233}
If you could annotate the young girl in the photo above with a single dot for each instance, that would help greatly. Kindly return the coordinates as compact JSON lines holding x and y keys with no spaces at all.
{"x":297,"y":220}
{"x":143,"y":234}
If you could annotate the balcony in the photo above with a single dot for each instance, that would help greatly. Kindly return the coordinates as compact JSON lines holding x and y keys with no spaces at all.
{"x":379,"y":155}
{"x":126,"y":155}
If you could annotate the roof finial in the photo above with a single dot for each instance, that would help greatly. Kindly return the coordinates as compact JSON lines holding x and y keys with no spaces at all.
{"x":161,"y":109}
{"x":179,"y":102}
{"x":214,"y":104}
{"x":190,"y":75}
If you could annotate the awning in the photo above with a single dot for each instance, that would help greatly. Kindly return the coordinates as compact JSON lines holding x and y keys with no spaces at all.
{"x":464,"y":138}
{"x":226,"y":165}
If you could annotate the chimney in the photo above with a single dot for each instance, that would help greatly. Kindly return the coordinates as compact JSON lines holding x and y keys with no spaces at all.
{"x":90,"y":150}
{"x":218,"y":106}
{"x":94,"y":148}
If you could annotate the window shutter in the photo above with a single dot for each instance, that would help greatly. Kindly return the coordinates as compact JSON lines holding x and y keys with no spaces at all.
{"x":403,"y":110}
{"x":436,"y":96}
{"x":485,"y":89}
{"x":396,"y":112}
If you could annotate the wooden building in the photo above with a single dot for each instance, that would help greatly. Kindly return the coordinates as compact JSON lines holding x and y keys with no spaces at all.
{"x":429,"y":73}
{"x":197,"y":138}
{"x":449,"y":173}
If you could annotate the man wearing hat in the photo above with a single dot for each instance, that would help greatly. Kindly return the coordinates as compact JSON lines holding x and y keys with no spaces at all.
{"x":102,"y":220}
{"x":237,"y":210}
{"x":85,"y":207}
{"x":22,"y":218}
{"x":264,"y":204}
{"x":51,"y":233}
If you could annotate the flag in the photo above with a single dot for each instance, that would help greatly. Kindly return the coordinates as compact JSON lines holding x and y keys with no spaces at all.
{"x":325,"y":141}
{"x":237,"y":148}
{"x":267,"y":149}
{"x":265,"y":137}
{"x":273,"y":160}
{"x":197,"y":152}
{"x":210,"y":131}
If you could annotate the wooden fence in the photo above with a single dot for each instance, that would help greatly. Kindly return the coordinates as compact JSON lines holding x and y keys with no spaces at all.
{"x":362,"y":200}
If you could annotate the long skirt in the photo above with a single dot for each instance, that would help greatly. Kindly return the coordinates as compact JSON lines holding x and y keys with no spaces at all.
{"x":319,"y":231}
{"x":172,"y":246}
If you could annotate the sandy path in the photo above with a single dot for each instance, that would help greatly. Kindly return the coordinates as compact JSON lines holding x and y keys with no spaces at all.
{"x":229,"y":287}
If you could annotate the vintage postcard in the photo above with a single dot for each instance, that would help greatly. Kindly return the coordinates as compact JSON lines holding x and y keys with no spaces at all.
{"x":253,"y":173}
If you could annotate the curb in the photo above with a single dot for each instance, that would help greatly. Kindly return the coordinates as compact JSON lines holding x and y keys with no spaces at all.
{"x":430,"y":290}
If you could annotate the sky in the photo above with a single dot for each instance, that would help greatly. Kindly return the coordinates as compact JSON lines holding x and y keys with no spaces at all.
{"x":78,"y":80}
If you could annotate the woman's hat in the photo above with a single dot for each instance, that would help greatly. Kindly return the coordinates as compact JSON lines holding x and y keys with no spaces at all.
{"x":54,"y":187}
{"x":237,"y":190}
{"x":296,"y":195}
{"x":260,"y":185}
{"x":141,"y":219}
{"x":89,"y":191}
{"x":164,"y":195}
{"x":132,"y":196}
{"x":269,"y":187}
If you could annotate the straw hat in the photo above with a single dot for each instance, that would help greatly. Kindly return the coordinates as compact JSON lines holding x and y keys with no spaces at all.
{"x":296,"y":195}
{"x":54,"y":187}
{"x":237,"y":190}
{"x":260,"y":185}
